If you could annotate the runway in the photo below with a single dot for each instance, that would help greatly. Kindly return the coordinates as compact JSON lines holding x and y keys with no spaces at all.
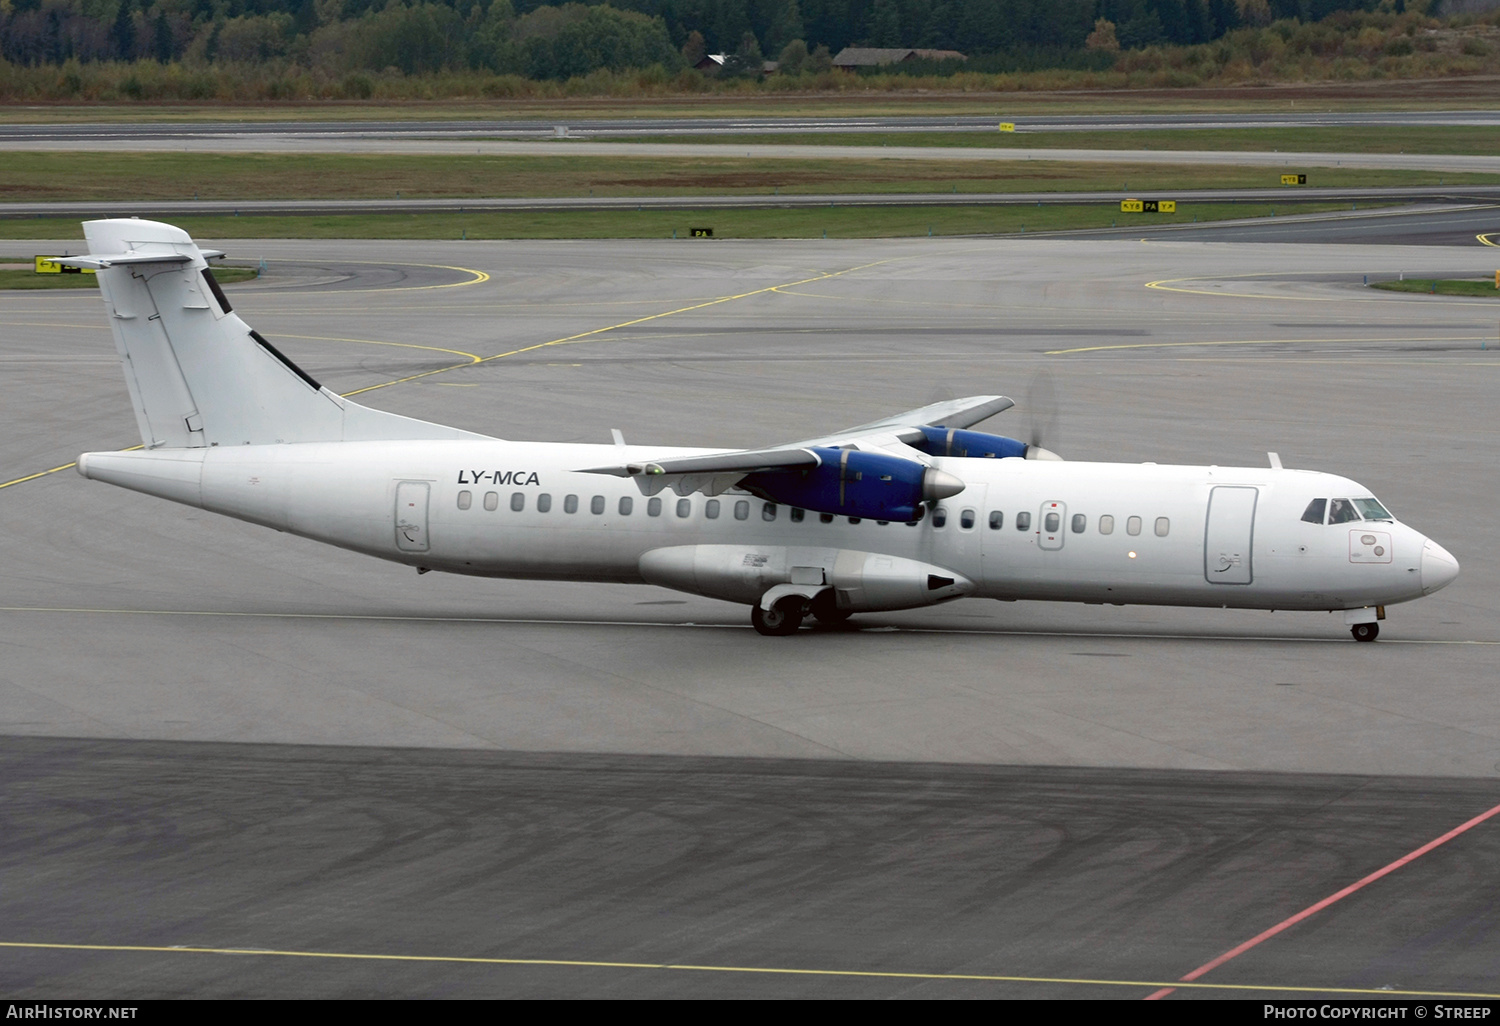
{"x":286,"y":747}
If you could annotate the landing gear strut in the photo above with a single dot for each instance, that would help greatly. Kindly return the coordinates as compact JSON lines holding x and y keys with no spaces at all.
{"x":781,"y":619}
{"x":1365,"y":631}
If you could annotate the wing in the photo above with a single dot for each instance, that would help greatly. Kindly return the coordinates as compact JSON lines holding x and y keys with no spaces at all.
{"x":953,"y":413}
{"x":718,"y":472}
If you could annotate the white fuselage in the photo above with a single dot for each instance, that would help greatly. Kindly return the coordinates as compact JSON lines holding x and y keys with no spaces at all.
{"x":1125,"y":533}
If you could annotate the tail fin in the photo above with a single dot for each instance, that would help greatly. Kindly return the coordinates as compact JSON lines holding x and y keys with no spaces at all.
{"x":198,"y":375}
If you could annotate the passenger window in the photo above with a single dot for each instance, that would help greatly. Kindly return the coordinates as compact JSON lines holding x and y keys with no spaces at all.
{"x":742,"y":510}
{"x":1106,"y":524}
{"x":1315,"y":511}
{"x":684,"y":507}
{"x":711,"y":509}
{"x":518,"y":501}
{"x":798,"y":514}
{"x":1051,"y":522}
{"x":1163,"y":525}
{"x":626,"y":505}
{"x":596,"y":505}
{"x":1023,"y":521}
{"x":940,"y":517}
{"x":997,"y":520}
{"x":825,"y":518}
{"x":854,"y":520}
{"x":465,"y":499}
{"x":966,"y":519}
{"x":544,"y":503}
{"x":1341,"y":511}
{"x":1080,"y":523}
{"x":768,"y":511}
{"x":492,"y":501}
{"x":653,"y":507}
{"x":1133,"y":526}
{"x":570,"y":504}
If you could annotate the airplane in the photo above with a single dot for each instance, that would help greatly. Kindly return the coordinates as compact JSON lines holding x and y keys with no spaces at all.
{"x":908,"y":511}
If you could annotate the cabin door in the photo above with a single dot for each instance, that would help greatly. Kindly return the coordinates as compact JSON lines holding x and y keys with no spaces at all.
{"x":1230,"y":535}
{"x":411,"y":516}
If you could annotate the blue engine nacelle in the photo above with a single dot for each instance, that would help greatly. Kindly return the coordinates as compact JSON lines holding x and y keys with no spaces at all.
{"x":941,"y":441}
{"x":857,"y":484}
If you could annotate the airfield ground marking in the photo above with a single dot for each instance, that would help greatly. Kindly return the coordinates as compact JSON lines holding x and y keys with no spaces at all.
{"x":623,"y":324}
{"x":757,"y":970}
{"x":1488,"y":238}
{"x":1262,"y":342}
{"x":479,"y":278}
{"x":728,"y":626}
{"x":1319,"y":906}
{"x":1171,"y":285}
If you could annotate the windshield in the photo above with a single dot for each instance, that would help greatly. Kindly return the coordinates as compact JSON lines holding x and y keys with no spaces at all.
{"x":1372,"y":510}
{"x":1341,"y":511}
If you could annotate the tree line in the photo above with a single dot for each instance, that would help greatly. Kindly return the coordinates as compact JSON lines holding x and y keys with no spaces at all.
{"x":543,"y":41}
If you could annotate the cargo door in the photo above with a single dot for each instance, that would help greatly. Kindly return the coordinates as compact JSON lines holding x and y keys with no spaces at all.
{"x":411,"y":516}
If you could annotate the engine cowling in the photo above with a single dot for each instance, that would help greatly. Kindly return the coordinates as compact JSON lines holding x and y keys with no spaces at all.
{"x":852,"y":483}
{"x":942,"y":441}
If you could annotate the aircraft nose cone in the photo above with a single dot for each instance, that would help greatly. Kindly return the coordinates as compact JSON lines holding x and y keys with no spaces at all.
{"x":939,"y":484}
{"x":1439,"y":568}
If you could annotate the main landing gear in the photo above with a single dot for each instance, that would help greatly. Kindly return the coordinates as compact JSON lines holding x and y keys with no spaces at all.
{"x":1365,"y":631}
{"x":782,"y":619}
{"x":787,"y":613}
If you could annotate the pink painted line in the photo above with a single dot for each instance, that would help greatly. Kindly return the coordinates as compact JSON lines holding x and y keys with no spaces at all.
{"x":1287,"y":923}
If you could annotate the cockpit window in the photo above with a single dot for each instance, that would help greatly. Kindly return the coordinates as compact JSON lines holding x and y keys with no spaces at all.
{"x":1372,"y":510}
{"x":1315,"y":510}
{"x":1341,"y":511}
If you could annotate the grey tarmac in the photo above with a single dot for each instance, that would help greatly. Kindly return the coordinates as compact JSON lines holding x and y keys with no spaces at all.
{"x":150,"y":632}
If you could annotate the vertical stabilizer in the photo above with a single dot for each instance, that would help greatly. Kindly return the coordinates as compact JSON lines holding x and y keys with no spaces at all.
{"x":198,"y":375}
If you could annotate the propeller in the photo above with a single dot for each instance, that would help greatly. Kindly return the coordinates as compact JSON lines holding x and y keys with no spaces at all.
{"x":1041,"y":417}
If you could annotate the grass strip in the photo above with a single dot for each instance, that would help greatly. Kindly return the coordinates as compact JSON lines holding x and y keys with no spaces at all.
{"x":17,"y":279}
{"x":41,"y":177}
{"x":831,"y":222}
{"x":1484,"y":287}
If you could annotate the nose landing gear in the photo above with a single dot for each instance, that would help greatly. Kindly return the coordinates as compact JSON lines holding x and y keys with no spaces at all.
{"x":1365,"y":631}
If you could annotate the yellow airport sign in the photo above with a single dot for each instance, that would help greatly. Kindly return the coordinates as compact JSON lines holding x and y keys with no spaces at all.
{"x":1007,"y":126}
{"x":1131,"y":206}
{"x":1293,"y":179}
{"x":49,"y":265}
{"x":1135,"y":206}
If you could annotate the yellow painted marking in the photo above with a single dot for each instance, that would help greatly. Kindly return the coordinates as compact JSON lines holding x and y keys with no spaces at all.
{"x":616,"y":327}
{"x":1265,"y":342}
{"x":479,"y":278}
{"x":760,"y":970}
{"x":375,"y":342}
{"x":1487,"y":238}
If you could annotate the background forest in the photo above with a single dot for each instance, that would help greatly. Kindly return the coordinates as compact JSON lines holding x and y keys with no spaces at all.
{"x":355,"y":49}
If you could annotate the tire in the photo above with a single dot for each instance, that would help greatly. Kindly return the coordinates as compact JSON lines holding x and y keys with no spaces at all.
{"x":825,"y":608}
{"x":780,"y":620}
{"x":1365,"y":631}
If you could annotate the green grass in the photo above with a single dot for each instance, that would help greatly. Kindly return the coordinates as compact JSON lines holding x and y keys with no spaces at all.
{"x":41,"y":177}
{"x":14,"y":279}
{"x":1438,"y":140}
{"x":1442,"y":286}
{"x":803,"y":223}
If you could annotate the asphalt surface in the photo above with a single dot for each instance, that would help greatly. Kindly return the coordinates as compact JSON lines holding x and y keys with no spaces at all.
{"x":1425,"y":225}
{"x":543,"y":126}
{"x":179,"y":208}
{"x":289,"y":747}
{"x":625,"y":867}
